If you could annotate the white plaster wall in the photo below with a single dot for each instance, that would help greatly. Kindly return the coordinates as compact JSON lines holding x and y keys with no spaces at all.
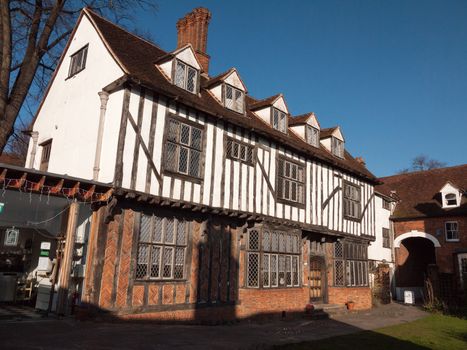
{"x":265,"y":114}
{"x":376,"y":250}
{"x":70,"y":112}
{"x":217,"y":92}
{"x":326,"y":143}
{"x":166,"y":68}
{"x":313,"y":122}
{"x":299,"y":130}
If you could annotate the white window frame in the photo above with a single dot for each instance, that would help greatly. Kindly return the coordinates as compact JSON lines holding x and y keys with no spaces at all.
{"x":446,"y":200}
{"x":183,"y":83}
{"x":237,"y":98}
{"x":456,"y":231}
{"x":279,"y":120}
{"x":337,"y":147}
{"x":312,"y":136}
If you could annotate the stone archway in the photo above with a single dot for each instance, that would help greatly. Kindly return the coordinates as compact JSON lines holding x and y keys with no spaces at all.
{"x":413,"y":234}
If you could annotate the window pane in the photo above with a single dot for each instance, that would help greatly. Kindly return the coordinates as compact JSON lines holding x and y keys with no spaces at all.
{"x":295,"y":270}
{"x":266,"y":270}
{"x":185,"y":135}
{"x":196,"y":138}
{"x":142,"y":262}
{"x":253,"y":270}
{"x":253,"y":240}
{"x":145,"y":228}
{"x":195,"y":157}
{"x":274,"y":270}
{"x":167,"y":262}
{"x":169,"y":231}
{"x":183,"y":160}
{"x":179,"y":263}
{"x":288,"y":270}
{"x":172,"y":133}
{"x":171,"y":157}
{"x":181,"y":234}
{"x":266,"y":241}
{"x":191,"y":81}
{"x":157,"y":237}
{"x":180,"y":74}
{"x":155,"y":261}
{"x":275,"y":242}
{"x":281,"y":270}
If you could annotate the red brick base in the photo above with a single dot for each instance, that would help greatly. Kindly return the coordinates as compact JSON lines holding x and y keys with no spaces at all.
{"x":360,"y":296}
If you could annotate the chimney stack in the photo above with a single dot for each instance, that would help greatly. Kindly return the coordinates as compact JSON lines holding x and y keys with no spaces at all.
{"x":193,"y":29}
{"x":361,"y":161}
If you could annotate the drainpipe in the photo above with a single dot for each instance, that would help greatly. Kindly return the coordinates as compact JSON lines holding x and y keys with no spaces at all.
{"x":104,"y":96}
{"x":35,"y":137}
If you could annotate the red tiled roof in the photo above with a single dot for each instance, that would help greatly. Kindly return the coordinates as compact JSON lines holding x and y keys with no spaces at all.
{"x":327,"y":132}
{"x":7,"y":158}
{"x":418,"y":192}
{"x":137,"y":57}
{"x":300,"y":119}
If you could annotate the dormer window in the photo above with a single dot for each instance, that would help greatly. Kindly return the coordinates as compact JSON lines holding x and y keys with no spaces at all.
{"x":312,"y":136}
{"x":337,"y":147}
{"x":233,"y":98}
{"x":279,"y":120}
{"x":186,"y":77}
{"x":450,"y":200}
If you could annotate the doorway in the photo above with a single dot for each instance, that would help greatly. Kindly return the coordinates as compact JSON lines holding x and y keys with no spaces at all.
{"x":317,"y":279}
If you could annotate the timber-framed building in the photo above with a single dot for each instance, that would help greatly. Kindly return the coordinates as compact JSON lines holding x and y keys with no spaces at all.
{"x":224,"y":206}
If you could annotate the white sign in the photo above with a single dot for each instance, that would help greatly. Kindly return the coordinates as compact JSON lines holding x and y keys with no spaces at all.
{"x":11,"y":237}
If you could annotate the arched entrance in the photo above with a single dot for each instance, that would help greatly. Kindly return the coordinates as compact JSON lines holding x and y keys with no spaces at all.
{"x":415,"y":251}
{"x":317,"y":279}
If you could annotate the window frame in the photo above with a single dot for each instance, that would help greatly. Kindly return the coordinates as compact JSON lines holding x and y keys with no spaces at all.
{"x":291,"y":252}
{"x":73,"y":56}
{"x":291,"y":180}
{"x":452,"y":231}
{"x":353,"y":258}
{"x":346,"y":215}
{"x":175,"y":173}
{"x":234,"y":89}
{"x":286,"y":123}
{"x":386,"y":240}
{"x":386,"y":204}
{"x":229,"y":149}
{"x":336,"y":151}
{"x":45,"y":154}
{"x":185,"y":79}
{"x":308,"y":132}
{"x":162,"y":245}
{"x":446,"y":200}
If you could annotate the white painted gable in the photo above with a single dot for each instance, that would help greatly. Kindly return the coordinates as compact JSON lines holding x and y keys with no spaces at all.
{"x":338,"y":134}
{"x":313,"y":121}
{"x":281,"y":105}
{"x":234,"y":80}
{"x":70,"y":109}
{"x":187,"y":55}
{"x":299,"y":130}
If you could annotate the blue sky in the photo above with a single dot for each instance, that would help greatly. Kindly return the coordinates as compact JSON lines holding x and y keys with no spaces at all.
{"x":392,"y":74}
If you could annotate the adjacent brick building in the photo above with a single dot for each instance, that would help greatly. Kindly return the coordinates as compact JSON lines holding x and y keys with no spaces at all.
{"x":430,"y":225}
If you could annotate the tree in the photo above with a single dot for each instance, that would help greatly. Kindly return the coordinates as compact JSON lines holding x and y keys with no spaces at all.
{"x":423,"y":162}
{"x":33,"y":34}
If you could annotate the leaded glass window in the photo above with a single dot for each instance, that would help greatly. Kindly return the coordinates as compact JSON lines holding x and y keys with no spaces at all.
{"x":273,"y":259}
{"x":291,"y":181}
{"x":233,"y":98}
{"x":352,"y":201}
{"x":186,"y":76}
{"x":162,"y":248}
{"x":183,"y":148}
{"x":312,"y":136}
{"x":279,"y":120}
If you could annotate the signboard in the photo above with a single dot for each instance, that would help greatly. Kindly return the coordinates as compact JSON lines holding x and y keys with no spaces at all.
{"x":11,"y":237}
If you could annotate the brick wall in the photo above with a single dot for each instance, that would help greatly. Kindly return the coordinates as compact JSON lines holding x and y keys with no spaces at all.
{"x":444,"y":255}
{"x":361,"y":296}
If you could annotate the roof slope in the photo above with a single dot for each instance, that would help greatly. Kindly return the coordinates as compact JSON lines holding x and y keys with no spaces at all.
{"x":419,"y":195}
{"x":137,"y":58}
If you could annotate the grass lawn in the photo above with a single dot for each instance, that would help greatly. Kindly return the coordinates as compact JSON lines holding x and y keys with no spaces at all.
{"x":432,"y":332}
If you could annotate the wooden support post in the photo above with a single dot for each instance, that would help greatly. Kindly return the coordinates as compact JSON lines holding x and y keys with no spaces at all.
{"x":65,"y":270}
{"x":88,"y":287}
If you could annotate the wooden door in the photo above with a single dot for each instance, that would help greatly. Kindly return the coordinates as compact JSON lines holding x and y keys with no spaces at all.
{"x":316,"y":279}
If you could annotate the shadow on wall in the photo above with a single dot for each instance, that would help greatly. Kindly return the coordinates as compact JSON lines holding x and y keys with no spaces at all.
{"x":413,"y":258}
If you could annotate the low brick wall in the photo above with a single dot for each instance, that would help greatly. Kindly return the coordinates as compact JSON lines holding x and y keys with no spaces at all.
{"x":361,"y":296}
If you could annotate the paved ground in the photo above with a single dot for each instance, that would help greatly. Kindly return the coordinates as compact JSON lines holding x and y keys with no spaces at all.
{"x":71,"y":334}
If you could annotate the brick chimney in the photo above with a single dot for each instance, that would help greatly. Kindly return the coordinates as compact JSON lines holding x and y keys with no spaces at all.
{"x":193,"y":29}
{"x":361,"y":161}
